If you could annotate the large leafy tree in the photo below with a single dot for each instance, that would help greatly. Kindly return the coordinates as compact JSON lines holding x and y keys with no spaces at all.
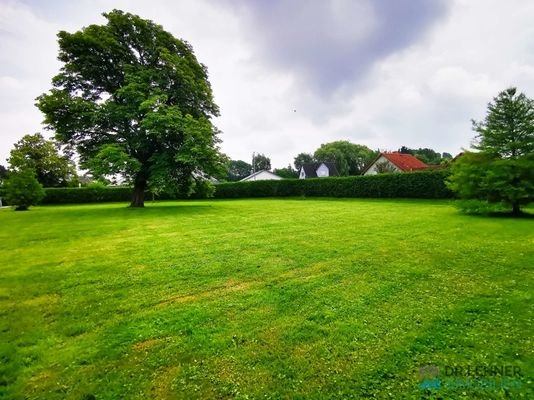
{"x":40,"y":155}
{"x":134,"y":100}
{"x":349,"y":158}
{"x":502,"y":171}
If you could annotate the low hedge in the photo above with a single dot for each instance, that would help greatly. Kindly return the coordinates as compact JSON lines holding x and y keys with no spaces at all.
{"x":110,"y":194}
{"x":423,"y":185}
{"x":86,"y":195}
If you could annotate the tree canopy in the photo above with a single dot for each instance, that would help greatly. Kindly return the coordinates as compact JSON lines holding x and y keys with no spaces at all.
{"x":238,"y":169}
{"x":426,"y":155}
{"x":261,"y":162}
{"x":503,"y":169}
{"x":301,"y":159}
{"x":287,"y":173}
{"x":41,"y":156}
{"x":349,"y":158}
{"x":133,"y":99}
{"x":508,"y":129}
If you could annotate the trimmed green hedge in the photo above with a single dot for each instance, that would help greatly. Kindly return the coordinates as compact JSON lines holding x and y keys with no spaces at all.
{"x":86,"y":195}
{"x":423,"y":185}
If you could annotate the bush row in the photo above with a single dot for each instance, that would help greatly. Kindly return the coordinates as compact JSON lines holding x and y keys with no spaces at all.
{"x":86,"y":195}
{"x":424,"y":184}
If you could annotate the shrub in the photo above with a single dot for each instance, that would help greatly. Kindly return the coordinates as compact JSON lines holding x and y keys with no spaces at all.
{"x":424,"y":184}
{"x":473,"y":206}
{"x":23,"y":190}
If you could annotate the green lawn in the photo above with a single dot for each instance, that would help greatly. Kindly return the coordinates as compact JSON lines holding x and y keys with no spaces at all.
{"x":262,"y":299}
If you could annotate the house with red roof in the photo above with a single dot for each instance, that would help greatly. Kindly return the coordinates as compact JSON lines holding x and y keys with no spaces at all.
{"x":394,"y":162}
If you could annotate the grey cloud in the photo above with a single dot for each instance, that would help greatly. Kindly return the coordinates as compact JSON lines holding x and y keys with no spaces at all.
{"x":330,"y":44}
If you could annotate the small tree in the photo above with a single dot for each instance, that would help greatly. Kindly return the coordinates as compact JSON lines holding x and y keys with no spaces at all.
{"x":23,"y":189}
{"x":503,"y":170}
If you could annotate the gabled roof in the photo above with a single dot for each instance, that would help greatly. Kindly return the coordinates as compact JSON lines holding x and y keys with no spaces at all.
{"x":257,"y":173}
{"x":332,"y":170}
{"x":310,"y":169}
{"x":404,"y":162}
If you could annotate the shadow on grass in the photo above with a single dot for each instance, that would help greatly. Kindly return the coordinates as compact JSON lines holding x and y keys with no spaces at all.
{"x":171,"y":206}
{"x":500,"y":214}
{"x":123,"y":209}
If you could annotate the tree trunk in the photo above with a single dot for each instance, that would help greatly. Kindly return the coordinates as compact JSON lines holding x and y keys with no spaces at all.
{"x":138,"y":195}
{"x":516,"y":210}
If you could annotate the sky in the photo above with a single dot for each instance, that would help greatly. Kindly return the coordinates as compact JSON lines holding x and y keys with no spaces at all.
{"x":291,"y":75}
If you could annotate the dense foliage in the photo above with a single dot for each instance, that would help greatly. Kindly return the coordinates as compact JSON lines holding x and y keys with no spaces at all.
{"x":425,"y":184}
{"x":349,"y":158}
{"x":301,"y":159}
{"x":199,"y":190}
{"x":134,"y":100}
{"x":237,"y":170}
{"x":3,"y":173}
{"x":502,"y":172}
{"x":22,"y":189}
{"x":287,"y":173}
{"x":86,"y":195}
{"x":426,"y":155}
{"x":261,"y":162}
{"x":40,"y":155}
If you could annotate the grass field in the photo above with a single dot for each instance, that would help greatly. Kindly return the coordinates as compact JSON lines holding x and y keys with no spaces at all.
{"x":263,"y":299}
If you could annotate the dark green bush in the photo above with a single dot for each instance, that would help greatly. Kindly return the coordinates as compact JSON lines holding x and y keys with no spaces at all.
{"x":86,"y":195}
{"x":424,"y":185}
{"x":97,"y":194}
{"x":22,"y":189}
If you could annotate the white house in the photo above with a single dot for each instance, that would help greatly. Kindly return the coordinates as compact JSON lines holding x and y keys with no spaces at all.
{"x":318,"y":170}
{"x":394,"y":162}
{"x":262,"y":175}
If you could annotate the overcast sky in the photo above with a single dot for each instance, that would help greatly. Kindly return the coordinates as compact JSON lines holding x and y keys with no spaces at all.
{"x":290,"y":75}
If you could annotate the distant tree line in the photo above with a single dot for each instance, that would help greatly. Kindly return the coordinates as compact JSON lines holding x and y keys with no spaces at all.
{"x":426,"y":155}
{"x":349,"y":158}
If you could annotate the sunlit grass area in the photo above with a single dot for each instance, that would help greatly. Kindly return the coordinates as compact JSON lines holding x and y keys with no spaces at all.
{"x":263,"y":299}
